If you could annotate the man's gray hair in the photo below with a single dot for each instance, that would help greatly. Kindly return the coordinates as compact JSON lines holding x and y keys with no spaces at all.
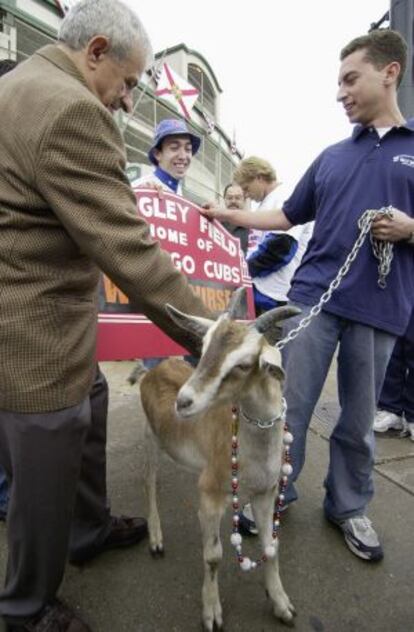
{"x":111,"y":18}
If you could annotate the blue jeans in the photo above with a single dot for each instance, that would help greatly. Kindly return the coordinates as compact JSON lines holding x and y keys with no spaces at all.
{"x":4,"y":491}
{"x":397,"y":395}
{"x":363,"y":355}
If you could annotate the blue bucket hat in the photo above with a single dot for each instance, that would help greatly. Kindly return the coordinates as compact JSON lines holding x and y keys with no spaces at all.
{"x":171,"y":127}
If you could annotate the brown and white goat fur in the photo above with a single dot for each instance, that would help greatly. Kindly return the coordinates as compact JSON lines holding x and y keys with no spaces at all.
{"x":190,"y":418}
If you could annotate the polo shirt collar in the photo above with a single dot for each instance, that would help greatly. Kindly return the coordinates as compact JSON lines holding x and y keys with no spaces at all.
{"x":167,"y":179}
{"x":359,"y":130}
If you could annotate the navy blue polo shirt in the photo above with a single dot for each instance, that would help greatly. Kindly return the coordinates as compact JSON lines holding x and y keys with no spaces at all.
{"x":359,"y":173}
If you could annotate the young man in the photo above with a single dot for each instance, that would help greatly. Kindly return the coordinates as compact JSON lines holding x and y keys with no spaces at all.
{"x":272,"y":256}
{"x":67,"y":211}
{"x":370,"y":170}
{"x":171,"y":152}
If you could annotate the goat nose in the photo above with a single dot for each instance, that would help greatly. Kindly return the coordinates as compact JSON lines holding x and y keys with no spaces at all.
{"x":184,"y":401}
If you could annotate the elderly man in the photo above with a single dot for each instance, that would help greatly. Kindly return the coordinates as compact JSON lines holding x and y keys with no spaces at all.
{"x":5,"y":66}
{"x":67,"y":211}
{"x":234,"y":199}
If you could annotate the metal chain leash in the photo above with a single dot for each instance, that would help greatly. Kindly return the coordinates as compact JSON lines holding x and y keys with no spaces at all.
{"x":382,"y":250}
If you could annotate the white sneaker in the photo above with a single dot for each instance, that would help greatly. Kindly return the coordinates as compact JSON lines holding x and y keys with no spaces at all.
{"x":361,"y":538}
{"x":384,"y":420}
{"x":411,"y":430}
{"x":247,"y":525}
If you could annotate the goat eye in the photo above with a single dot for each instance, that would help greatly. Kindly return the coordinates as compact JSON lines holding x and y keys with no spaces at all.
{"x":243,"y":366}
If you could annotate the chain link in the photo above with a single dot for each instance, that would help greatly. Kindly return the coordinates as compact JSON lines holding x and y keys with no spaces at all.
{"x":382,"y":250}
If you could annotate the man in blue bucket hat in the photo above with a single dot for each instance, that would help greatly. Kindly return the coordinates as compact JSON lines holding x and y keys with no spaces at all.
{"x":171,"y":153}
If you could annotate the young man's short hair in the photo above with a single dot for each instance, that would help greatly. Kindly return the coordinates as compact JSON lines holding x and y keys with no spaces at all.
{"x":382,"y":47}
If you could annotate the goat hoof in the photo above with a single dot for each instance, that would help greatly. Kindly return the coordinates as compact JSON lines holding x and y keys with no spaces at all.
{"x":213,"y":622}
{"x":288,"y":618}
{"x":289,"y":623}
{"x":216,"y":627}
{"x":157,"y":550}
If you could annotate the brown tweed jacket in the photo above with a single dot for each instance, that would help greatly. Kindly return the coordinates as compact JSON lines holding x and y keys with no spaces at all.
{"x":67,"y":211}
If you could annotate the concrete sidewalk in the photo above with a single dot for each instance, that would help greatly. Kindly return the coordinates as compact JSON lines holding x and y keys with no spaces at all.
{"x":332,"y":590}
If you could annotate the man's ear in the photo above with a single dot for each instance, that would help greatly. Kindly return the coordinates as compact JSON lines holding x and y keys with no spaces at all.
{"x":157,"y":154}
{"x":392,"y":73}
{"x":97,"y":48}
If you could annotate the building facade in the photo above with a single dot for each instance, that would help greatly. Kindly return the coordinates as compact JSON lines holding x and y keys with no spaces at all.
{"x":26,"y":25}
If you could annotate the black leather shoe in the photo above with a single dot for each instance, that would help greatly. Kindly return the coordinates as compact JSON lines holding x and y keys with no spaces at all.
{"x":54,"y":617}
{"x":124,"y":531}
{"x":3,"y":515}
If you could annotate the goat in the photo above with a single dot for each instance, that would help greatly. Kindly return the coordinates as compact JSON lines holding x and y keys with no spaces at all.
{"x":189,"y":413}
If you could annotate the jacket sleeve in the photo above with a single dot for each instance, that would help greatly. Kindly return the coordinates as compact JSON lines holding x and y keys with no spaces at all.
{"x":275,"y":251}
{"x":80,"y":173}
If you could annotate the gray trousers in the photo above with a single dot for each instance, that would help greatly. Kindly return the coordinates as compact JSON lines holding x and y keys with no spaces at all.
{"x":56,"y":466}
{"x":363,"y":355}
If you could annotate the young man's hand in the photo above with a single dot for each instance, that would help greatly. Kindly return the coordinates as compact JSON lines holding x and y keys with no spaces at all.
{"x":397,"y":228}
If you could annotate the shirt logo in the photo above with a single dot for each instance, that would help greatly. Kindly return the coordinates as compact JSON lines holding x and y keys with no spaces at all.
{"x":404,"y":159}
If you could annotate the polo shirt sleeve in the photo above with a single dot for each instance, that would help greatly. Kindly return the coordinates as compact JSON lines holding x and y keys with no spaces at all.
{"x":300,"y":207}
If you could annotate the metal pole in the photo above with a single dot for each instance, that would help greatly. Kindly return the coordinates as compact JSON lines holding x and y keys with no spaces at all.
{"x":402,"y":20}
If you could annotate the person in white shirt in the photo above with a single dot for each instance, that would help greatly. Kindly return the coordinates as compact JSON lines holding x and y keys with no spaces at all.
{"x":272,"y":256}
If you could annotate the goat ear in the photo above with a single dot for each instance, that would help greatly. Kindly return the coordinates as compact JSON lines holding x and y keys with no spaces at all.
{"x":195,"y":324}
{"x":271,"y":360}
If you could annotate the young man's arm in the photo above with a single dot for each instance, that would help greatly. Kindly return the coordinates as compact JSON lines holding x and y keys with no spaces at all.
{"x":265,"y":220}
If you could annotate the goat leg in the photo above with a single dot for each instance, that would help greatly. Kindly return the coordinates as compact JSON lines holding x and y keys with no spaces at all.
{"x":150,"y":476}
{"x":263,"y":508}
{"x":210,"y":514}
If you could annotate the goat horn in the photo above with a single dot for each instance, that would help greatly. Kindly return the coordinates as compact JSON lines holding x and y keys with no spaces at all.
{"x":266,"y":320}
{"x":235,"y":302}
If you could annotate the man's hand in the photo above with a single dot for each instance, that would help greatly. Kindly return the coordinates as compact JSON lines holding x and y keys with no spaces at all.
{"x":212,"y":211}
{"x":398,"y":228}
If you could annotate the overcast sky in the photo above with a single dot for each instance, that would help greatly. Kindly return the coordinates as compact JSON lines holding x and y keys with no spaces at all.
{"x":277,"y":63}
